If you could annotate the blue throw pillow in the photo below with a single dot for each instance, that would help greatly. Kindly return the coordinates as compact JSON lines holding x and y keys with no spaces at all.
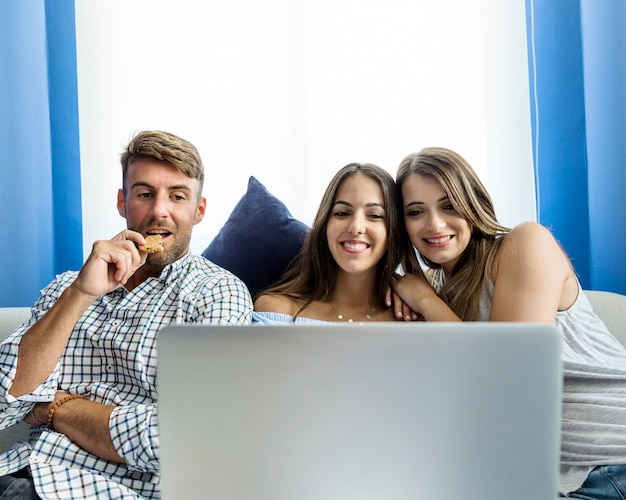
{"x":259,"y":240}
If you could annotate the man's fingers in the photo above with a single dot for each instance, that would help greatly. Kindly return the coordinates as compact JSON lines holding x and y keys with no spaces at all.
{"x":127,"y":259}
{"x":130,"y":235}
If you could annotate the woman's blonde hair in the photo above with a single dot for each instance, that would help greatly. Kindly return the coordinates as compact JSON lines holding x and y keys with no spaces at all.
{"x":461,"y":290}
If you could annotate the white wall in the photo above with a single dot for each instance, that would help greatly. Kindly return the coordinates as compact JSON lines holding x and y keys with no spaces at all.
{"x":291,"y":90}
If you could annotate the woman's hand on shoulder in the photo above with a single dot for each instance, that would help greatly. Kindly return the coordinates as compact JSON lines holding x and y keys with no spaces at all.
{"x":529,"y":275}
{"x":415,"y":299}
{"x":400,"y":310}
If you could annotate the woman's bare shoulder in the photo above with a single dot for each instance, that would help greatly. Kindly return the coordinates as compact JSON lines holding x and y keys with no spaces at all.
{"x":530,"y":236}
{"x":530,"y":246}
{"x":533,"y":277}
{"x":530,"y":228}
{"x":275,"y":303}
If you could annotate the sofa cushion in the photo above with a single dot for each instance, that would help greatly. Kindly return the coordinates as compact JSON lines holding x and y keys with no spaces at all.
{"x":259,"y":240}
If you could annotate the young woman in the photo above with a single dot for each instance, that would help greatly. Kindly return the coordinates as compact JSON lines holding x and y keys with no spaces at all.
{"x":345,"y":267}
{"x":481,"y":271}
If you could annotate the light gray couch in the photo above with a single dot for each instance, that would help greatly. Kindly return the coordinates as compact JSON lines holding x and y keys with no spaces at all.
{"x":611,"y":307}
{"x":11,"y":318}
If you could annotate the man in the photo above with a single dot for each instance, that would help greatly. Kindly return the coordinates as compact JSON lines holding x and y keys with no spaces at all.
{"x":82,"y":370}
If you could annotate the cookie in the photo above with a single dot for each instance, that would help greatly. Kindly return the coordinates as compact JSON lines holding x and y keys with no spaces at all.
{"x":154,"y":244}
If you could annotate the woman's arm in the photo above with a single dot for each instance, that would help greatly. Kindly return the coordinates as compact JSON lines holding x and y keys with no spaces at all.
{"x":419,"y":296}
{"x":532,"y":277}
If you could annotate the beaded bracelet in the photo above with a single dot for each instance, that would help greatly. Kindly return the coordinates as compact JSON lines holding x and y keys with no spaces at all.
{"x":57,"y":404}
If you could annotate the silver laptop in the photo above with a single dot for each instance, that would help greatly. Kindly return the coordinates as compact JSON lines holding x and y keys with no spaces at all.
{"x":384,"y":411}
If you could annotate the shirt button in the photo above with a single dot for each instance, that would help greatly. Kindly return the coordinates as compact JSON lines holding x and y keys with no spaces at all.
{"x":34,"y":458}
{"x":4,"y":470}
{"x":110,"y":367}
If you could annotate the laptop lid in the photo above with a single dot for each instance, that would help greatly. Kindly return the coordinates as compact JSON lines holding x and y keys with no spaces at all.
{"x":362,"y":411}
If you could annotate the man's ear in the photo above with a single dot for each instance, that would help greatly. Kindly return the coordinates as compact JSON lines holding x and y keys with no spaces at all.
{"x":121,"y":206}
{"x":200,"y":210}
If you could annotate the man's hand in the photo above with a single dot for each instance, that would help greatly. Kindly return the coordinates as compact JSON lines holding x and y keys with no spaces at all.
{"x":37,"y":416}
{"x":111,"y":264}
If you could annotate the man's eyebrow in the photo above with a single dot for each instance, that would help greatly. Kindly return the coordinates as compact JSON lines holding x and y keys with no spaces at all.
{"x":180,"y":186}
{"x":148,"y":185}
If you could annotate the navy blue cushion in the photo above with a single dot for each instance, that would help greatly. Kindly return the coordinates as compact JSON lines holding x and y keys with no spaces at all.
{"x":259,"y":240}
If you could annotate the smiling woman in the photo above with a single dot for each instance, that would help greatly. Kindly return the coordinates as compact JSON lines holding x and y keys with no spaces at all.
{"x":344,"y":268}
{"x":491,"y":273}
{"x":437,"y":230}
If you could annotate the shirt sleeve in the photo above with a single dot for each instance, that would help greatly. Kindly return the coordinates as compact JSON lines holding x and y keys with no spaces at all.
{"x":12,"y":409}
{"x":135,"y":434}
{"x":226,"y":302}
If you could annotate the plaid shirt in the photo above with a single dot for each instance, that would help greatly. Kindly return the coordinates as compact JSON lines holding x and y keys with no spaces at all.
{"x":111,"y":358}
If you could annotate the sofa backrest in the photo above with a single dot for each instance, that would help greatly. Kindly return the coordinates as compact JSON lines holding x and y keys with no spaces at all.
{"x":11,"y":318}
{"x":611,"y":307}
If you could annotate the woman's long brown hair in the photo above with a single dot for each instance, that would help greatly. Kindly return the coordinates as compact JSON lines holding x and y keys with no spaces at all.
{"x":314,"y":273}
{"x":461,"y":290}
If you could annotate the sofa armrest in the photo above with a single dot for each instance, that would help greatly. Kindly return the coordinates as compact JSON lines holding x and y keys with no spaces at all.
{"x":10,"y":319}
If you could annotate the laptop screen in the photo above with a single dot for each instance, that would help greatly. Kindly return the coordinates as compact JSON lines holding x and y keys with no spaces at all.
{"x":374,"y":410}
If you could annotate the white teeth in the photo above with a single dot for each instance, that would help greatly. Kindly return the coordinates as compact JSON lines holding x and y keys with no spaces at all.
{"x":354,"y":246}
{"x":438,"y":240}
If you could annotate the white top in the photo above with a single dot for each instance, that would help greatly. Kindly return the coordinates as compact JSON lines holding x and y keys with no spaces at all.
{"x":594,"y":391}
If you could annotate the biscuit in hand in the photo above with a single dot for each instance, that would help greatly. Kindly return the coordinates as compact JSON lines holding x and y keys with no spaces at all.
{"x":154,"y":244}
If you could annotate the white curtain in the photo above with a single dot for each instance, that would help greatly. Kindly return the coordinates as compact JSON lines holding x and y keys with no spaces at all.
{"x":291,"y":90}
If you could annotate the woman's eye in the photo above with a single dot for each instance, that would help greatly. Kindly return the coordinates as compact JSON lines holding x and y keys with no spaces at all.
{"x":414,"y":213}
{"x":377,"y":216}
{"x":341,"y":214}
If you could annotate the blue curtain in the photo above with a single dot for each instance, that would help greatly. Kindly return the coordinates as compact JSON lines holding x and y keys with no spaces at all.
{"x":39,"y":147}
{"x":577,"y":68}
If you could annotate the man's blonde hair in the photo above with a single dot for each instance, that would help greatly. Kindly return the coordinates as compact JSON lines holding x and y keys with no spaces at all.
{"x":164,"y":146}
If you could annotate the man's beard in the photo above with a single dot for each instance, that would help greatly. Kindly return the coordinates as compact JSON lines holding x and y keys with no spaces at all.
{"x":161,"y":259}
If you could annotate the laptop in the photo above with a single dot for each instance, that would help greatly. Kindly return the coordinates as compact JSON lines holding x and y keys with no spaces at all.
{"x":385,"y":411}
